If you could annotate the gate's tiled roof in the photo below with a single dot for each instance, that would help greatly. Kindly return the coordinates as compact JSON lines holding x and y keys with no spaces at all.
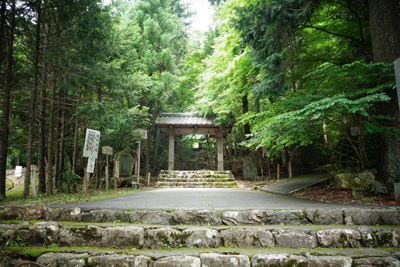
{"x":184,"y":119}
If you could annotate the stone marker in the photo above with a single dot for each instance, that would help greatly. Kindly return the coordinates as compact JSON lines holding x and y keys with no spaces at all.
{"x":250,"y":171}
{"x":126,"y":163}
{"x":397,"y":191}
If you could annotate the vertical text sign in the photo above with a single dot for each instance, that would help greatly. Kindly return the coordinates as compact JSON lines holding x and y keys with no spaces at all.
{"x":92,"y":141}
{"x":90,"y":165}
{"x":18,"y":171}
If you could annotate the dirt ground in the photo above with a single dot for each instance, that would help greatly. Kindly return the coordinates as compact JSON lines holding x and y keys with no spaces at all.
{"x":328,"y":194}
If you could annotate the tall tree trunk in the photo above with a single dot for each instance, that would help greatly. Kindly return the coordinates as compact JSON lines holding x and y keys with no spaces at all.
{"x":33,"y":103}
{"x":157,"y":133}
{"x":98,"y":157}
{"x":49,"y":189}
{"x":245,"y":107}
{"x":76,"y":135}
{"x":2,"y":26}
{"x":42,"y":120}
{"x":385,"y":34}
{"x":5,"y":119}
{"x":63,"y":96}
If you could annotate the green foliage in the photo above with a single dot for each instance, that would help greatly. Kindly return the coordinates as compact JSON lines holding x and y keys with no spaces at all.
{"x":68,"y":178}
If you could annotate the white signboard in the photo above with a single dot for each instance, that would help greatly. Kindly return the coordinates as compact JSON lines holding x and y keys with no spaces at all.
{"x":18,"y":171}
{"x":107,"y":150}
{"x":92,"y":141}
{"x":90,"y":165}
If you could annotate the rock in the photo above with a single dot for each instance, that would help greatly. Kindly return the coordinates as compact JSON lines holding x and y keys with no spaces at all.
{"x":338,"y":238}
{"x":372,"y":217}
{"x":21,"y":212}
{"x":373,"y":171}
{"x":295,"y":238}
{"x":214,"y":259}
{"x":142,"y":261}
{"x":325,"y":217}
{"x":57,"y":259}
{"x":178,"y":261}
{"x":360,"y":217}
{"x":201,"y":217}
{"x":162,"y":238}
{"x":107,"y":216}
{"x":382,"y":261}
{"x":344,"y":181}
{"x":111,"y":182}
{"x":358,"y":192}
{"x":292,"y":217}
{"x":364,"y":178}
{"x":396,"y":238}
{"x":151,"y":217}
{"x":63,"y":214}
{"x":331,"y":261}
{"x":379,"y":189}
{"x":247,"y":238}
{"x":202,"y":238}
{"x":90,"y":236}
{"x":250,"y":170}
{"x":279,"y":260}
{"x":112,"y":260}
{"x":119,"y":237}
{"x":76,"y":263}
{"x":5,"y":261}
{"x":45,"y":232}
{"x":377,"y":237}
{"x":240,"y":218}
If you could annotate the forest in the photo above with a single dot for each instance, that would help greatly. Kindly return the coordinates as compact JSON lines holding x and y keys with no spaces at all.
{"x":306,"y":81}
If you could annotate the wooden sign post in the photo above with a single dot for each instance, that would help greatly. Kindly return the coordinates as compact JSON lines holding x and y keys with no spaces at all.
{"x":33,"y":181}
{"x":107,"y":150}
{"x":142,"y":135}
{"x":116,"y":175}
{"x":90,"y":151}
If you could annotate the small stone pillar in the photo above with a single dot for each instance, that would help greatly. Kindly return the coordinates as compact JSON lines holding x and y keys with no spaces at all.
{"x":171,"y":150}
{"x":220,"y":151}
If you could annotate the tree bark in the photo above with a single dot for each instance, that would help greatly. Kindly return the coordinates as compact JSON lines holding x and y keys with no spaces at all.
{"x":5,"y":119}
{"x":42,"y":120}
{"x":63,"y":96}
{"x":157,"y":133}
{"x":33,"y":104}
{"x":385,"y":34}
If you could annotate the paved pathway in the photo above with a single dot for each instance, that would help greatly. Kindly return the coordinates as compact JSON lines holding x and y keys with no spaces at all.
{"x":291,"y":185}
{"x":203,"y":198}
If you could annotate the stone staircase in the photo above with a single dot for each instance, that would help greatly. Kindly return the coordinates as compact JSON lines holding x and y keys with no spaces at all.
{"x":196,"y":179}
{"x":312,"y":237}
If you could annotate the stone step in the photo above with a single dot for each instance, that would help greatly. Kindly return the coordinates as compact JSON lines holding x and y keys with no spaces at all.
{"x":206,"y":184}
{"x":195,"y":172}
{"x":119,"y":235}
{"x":187,"y":180}
{"x":64,"y":256}
{"x":334,"y":216}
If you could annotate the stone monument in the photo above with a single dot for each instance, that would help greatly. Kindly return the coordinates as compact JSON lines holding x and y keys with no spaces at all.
{"x":127,"y":163}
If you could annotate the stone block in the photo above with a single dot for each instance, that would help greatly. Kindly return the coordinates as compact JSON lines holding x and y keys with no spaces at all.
{"x":325,"y":217}
{"x":372,"y":217}
{"x":291,"y":217}
{"x":112,"y":260}
{"x":382,"y":261}
{"x":46,"y":232}
{"x":151,"y":217}
{"x":63,"y":214}
{"x":240,"y":218}
{"x":86,"y":235}
{"x":295,"y":238}
{"x":162,"y":238}
{"x":178,"y":261}
{"x":247,"y":238}
{"x":331,"y":261}
{"x":214,"y":259}
{"x":119,"y":237}
{"x":108,"y":216}
{"x":21,"y":212}
{"x":339,"y":238}
{"x":279,"y":260}
{"x":58,"y":259}
{"x":202,"y":238}
{"x":201,"y":217}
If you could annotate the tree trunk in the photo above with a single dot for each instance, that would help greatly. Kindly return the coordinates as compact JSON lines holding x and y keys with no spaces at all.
{"x":385,"y":34}
{"x":32,"y":111}
{"x":42,"y":120}
{"x":157,"y":133}
{"x":148,"y":152}
{"x":63,"y":96}
{"x":5,"y":119}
